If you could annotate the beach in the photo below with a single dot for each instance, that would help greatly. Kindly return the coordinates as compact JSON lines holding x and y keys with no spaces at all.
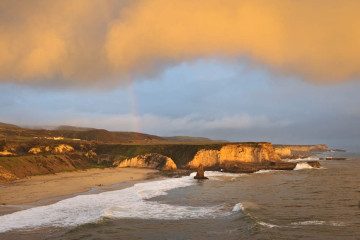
{"x":304,"y":203}
{"x":36,"y":190}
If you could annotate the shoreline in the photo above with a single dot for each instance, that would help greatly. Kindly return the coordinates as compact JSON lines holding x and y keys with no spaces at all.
{"x":46,"y":189}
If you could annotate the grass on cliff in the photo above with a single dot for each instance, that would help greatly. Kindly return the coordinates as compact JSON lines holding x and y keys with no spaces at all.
{"x":180,"y":153}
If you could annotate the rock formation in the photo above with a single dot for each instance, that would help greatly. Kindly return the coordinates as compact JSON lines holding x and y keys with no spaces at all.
{"x":151,"y":160}
{"x":314,"y":164}
{"x":58,"y":149}
{"x":6,"y":153}
{"x":200,"y":173}
{"x":244,"y":153}
{"x":35,"y":150}
{"x":63,"y":148}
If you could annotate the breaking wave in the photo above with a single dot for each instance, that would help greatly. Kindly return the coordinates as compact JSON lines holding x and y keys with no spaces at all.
{"x":302,"y":165}
{"x":317,"y":222}
{"x":238,"y":207}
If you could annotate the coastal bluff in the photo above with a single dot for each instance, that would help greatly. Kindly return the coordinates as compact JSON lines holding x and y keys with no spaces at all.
{"x":296,"y":151}
{"x":150,"y":160}
{"x":237,"y":157}
{"x":242,"y":152}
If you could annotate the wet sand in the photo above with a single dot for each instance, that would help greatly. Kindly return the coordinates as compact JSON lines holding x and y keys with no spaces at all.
{"x":57,"y":186}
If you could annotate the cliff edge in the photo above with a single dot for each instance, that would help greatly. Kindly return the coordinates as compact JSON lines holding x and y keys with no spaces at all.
{"x":259,"y":153}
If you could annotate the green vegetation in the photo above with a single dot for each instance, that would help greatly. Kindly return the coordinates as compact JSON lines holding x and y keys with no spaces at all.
{"x":180,"y":153}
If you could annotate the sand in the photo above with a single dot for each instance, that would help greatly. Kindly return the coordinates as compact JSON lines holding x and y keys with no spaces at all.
{"x":40,"y":190}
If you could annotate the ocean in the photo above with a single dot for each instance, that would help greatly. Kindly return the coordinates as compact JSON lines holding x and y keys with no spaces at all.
{"x":305,"y":203}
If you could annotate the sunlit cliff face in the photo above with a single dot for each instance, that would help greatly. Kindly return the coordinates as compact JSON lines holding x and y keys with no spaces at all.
{"x":88,"y":41}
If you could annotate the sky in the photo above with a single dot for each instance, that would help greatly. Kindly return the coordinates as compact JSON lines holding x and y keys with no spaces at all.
{"x":276,"y":70}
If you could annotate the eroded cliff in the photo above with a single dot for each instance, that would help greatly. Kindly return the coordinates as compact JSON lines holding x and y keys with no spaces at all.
{"x":241,"y":152}
{"x":151,"y":160}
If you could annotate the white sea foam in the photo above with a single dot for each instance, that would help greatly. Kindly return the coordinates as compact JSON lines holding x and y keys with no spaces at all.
{"x":311,"y":158}
{"x":317,"y":222}
{"x":302,"y":165}
{"x":126,"y":203}
{"x":267,"y":171}
{"x":220,"y":176}
{"x":269,"y":225}
{"x":211,"y":174}
{"x":242,"y":206}
{"x":238,"y":207}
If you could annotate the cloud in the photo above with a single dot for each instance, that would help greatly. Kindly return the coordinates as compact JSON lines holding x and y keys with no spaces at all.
{"x":106,"y":41}
{"x":161,"y":125}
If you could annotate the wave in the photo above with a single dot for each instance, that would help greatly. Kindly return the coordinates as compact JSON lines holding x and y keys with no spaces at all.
{"x":242,"y":206}
{"x":317,"y":222}
{"x":311,"y":158}
{"x":304,"y":223}
{"x":221,"y":176}
{"x":125,"y":203}
{"x":302,"y":165}
{"x":238,"y":207}
{"x":211,"y":174}
{"x":269,"y":225}
{"x":267,"y":171}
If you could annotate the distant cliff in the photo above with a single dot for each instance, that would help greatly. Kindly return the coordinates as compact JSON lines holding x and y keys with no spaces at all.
{"x":288,"y":151}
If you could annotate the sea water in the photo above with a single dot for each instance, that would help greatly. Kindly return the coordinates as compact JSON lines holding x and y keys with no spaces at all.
{"x":306,"y":203}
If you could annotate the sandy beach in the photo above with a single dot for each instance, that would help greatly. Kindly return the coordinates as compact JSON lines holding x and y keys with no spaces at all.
{"x":51,"y":188}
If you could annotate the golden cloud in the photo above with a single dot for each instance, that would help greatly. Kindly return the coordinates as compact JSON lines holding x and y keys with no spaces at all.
{"x":87,"y":41}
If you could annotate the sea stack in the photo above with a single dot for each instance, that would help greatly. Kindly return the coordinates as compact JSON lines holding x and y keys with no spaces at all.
{"x":200,"y":173}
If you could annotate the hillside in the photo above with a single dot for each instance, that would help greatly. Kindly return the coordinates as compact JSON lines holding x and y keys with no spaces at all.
{"x":190,"y":139}
{"x":7,"y":125}
{"x":73,"y":128}
{"x":12,"y":132}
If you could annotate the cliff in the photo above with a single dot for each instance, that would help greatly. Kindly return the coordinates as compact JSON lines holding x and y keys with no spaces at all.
{"x":42,"y":156}
{"x":259,"y":153}
{"x":288,"y":151}
{"x":308,"y":148}
{"x":151,"y":160}
{"x":283,"y":152}
{"x":16,"y":167}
